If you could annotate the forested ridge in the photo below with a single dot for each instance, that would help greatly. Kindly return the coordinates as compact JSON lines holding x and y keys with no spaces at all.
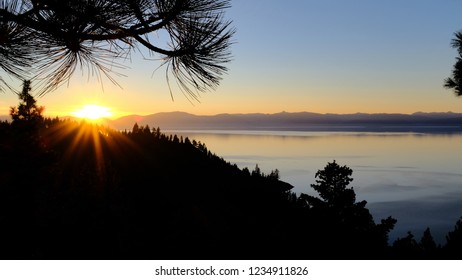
{"x":78,"y":190}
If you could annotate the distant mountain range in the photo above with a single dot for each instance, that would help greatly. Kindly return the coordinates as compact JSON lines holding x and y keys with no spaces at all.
{"x":302,"y":121}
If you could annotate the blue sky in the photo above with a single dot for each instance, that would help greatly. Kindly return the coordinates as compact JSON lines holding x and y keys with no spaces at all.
{"x":350,"y":54}
{"x":325,"y":56}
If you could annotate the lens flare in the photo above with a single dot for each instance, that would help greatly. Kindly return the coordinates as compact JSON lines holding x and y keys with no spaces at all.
{"x":93,"y":112}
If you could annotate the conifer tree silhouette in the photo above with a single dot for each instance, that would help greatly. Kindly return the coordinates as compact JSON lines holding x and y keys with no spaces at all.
{"x":27,"y":110}
{"x":455,"y":82}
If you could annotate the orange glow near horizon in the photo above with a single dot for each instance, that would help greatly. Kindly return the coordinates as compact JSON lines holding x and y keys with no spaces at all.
{"x":93,"y":112}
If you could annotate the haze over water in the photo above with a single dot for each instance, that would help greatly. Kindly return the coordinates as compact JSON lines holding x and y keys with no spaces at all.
{"x":414,"y":177}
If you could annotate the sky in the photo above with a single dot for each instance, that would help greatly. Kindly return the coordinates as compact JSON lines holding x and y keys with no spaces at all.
{"x":330,"y":56}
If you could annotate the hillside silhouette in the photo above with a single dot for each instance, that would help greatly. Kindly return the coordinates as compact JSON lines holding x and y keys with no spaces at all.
{"x":78,"y":190}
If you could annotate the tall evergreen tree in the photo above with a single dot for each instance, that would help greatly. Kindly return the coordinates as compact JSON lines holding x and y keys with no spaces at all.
{"x":428,"y":244}
{"x":346,"y":224}
{"x":27,"y":111}
{"x":332,"y":185}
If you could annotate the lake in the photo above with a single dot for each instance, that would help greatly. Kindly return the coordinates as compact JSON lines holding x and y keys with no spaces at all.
{"x":414,"y":177}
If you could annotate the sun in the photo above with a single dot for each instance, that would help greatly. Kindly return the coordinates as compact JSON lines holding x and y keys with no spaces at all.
{"x":93,"y":112}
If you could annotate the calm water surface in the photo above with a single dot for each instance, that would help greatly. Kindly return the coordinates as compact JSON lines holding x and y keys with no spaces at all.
{"x":416,"y":178}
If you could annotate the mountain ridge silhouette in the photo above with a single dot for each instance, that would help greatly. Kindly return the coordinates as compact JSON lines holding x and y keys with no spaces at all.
{"x":301,"y":121}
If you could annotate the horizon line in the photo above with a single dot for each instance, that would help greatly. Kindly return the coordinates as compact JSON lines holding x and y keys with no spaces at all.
{"x":117,"y":116}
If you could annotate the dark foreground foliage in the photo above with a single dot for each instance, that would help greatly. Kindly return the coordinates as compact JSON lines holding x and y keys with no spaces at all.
{"x":74,"y":190}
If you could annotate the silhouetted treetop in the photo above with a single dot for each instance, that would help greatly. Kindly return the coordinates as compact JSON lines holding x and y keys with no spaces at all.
{"x":454,"y":241}
{"x":342,"y":223}
{"x":428,"y":244}
{"x":27,"y":110}
{"x":332,"y":184}
{"x":455,"y":82}
{"x":54,"y":37}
